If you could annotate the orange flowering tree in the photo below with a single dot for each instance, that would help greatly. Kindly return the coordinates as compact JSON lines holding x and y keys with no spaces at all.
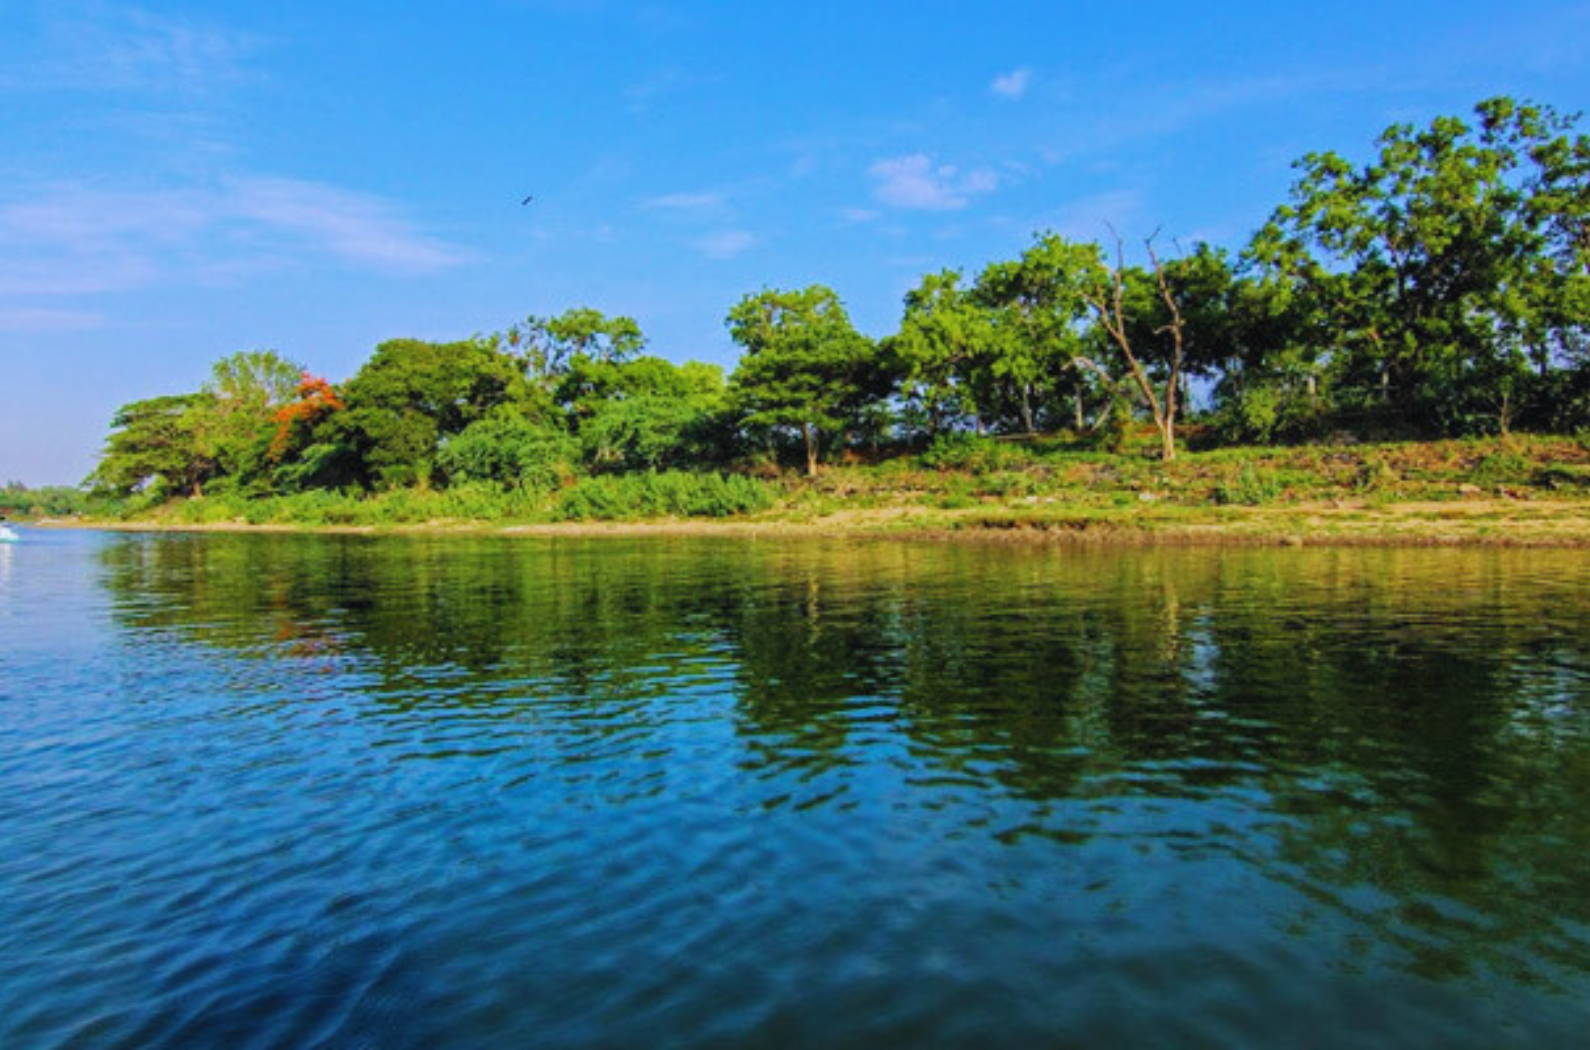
{"x":316,"y":400}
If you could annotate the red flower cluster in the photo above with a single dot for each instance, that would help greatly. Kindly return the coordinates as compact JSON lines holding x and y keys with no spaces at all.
{"x":316,"y":399}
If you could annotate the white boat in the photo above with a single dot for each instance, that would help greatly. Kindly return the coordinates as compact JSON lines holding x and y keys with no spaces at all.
{"x":7,"y":535}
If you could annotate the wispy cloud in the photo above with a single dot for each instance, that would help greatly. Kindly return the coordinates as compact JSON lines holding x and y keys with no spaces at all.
{"x":915,"y":182}
{"x":860,"y":215}
{"x":724,"y":244}
{"x":355,"y":227}
{"x":74,"y":239}
{"x":705,"y":201}
{"x":99,"y":46}
{"x":35,"y":319}
{"x":1012,"y":85}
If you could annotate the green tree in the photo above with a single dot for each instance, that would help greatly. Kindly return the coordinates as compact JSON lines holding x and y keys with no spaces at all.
{"x":1123,"y":301}
{"x":943,"y":339}
{"x":1037,"y":305}
{"x":647,"y":413}
{"x":550,"y":345}
{"x":589,"y":382}
{"x":154,"y":447}
{"x":233,"y":420}
{"x":1447,"y":264}
{"x":805,"y":370}
{"x":411,"y":394}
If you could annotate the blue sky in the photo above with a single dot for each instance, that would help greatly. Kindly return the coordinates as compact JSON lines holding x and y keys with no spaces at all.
{"x":182,"y":180}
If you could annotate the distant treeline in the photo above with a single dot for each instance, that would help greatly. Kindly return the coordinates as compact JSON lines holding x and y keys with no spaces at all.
{"x":18,"y":500}
{"x":1441,"y":289}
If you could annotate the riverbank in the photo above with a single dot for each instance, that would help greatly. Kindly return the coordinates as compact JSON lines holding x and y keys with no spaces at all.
{"x":1522,"y":491}
{"x":1482,"y":522}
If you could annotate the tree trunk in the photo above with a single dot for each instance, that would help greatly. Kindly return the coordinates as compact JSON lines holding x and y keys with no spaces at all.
{"x":1076,"y":402}
{"x":1111,"y":312}
{"x":811,"y":449}
{"x":1026,"y":408}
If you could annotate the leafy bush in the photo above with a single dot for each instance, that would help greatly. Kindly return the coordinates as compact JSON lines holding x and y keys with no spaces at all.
{"x":1117,"y":431}
{"x":1267,"y":412}
{"x":977,"y":453}
{"x":643,"y":433}
{"x":1007,"y":485}
{"x":1375,"y":474}
{"x":509,"y":451}
{"x":674,"y":493}
{"x":1501,"y":467}
{"x":1563,"y":476}
{"x":1251,"y":487}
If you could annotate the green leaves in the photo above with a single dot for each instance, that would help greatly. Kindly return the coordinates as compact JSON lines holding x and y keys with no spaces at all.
{"x":1035,"y":306}
{"x":1453,"y":255}
{"x":412,"y":394}
{"x":510,"y":451}
{"x":805,"y":369}
{"x":943,"y":343}
{"x":154,"y":446}
{"x":550,"y":346}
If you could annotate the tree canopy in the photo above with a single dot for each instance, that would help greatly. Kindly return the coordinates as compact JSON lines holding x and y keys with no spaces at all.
{"x":1438,"y":286}
{"x":805,"y":368}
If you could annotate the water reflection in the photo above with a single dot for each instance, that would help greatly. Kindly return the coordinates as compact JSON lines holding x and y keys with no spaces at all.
{"x":930,"y":774}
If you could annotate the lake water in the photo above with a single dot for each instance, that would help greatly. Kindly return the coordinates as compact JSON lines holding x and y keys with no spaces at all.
{"x":292,"y":791}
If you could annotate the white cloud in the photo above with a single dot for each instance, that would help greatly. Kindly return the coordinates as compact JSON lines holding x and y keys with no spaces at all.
{"x":1012,"y":85}
{"x":914,"y":182}
{"x":724,"y":244}
{"x":356,"y":227}
{"x":76,"y":239}
{"x":860,"y":215}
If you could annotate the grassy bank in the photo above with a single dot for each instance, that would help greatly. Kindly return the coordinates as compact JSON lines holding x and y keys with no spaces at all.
{"x":1521,"y":490}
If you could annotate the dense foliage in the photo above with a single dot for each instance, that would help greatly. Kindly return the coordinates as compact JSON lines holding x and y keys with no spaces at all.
{"x":51,"y":501}
{"x":1441,"y":289}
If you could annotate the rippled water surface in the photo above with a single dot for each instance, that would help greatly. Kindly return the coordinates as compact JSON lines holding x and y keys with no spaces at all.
{"x":296,"y":791}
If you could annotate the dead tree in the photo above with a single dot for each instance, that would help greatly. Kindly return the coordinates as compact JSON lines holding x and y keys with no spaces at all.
{"x":1111,"y":311}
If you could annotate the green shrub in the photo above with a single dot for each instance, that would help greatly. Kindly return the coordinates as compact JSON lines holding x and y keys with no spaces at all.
{"x":645,"y":433}
{"x":1007,"y":485}
{"x":977,"y":453}
{"x":1118,"y":425}
{"x":1563,"y":476}
{"x":621,"y":497}
{"x":1251,"y":487}
{"x":509,"y":451}
{"x":1501,"y":467}
{"x":1375,"y":475}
